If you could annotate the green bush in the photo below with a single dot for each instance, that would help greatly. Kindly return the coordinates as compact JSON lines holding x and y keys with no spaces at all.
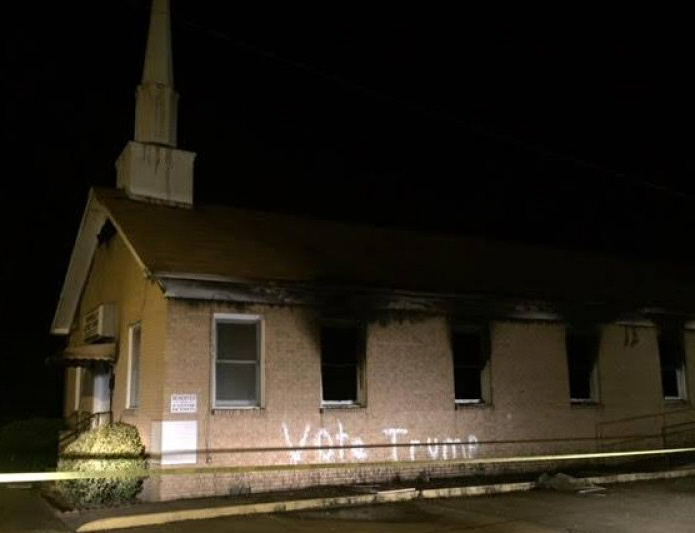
{"x":114,"y":448}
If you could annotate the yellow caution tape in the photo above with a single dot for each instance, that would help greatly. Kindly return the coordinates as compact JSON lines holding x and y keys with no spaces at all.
{"x":177,"y":471}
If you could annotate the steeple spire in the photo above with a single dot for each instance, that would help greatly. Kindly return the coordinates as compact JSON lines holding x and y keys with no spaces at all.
{"x":156,"y":105}
{"x":151,"y":168}
{"x":158,"y":64}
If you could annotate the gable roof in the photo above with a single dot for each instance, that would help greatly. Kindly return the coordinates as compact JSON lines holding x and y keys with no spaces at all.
{"x":212,"y":242}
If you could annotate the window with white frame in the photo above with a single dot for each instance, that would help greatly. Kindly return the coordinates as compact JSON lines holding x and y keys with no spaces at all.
{"x":133,"y":392}
{"x":582,"y":346}
{"x":672,"y":362}
{"x":342,"y":364}
{"x":237,"y":361}
{"x":470,"y":347}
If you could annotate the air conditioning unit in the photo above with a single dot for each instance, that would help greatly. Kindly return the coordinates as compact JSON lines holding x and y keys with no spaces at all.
{"x":99,"y":324}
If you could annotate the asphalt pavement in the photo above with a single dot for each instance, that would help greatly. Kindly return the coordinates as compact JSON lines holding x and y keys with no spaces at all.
{"x":23,"y":509}
{"x":653,"y":506}
{"x":642,"y":507}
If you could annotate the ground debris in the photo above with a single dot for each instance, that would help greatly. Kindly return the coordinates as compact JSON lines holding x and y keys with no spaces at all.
{"x":367,"y":489}
{"x":564,"y":483}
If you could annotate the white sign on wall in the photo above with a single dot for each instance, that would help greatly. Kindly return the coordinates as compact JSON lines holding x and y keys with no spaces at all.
{"x":184,"y":403}
{"x":179,"y":441}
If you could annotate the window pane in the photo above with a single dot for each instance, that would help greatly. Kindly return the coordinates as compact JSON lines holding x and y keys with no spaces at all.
{"x":236,"y":382}
{"x":134,"y":377}
{"x":236,"y":341}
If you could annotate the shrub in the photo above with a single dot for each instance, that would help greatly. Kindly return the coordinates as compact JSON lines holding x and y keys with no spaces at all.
{"x":113,"y":448}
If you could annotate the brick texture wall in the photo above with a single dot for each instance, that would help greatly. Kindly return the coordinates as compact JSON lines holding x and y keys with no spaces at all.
{"x":410,"y":396}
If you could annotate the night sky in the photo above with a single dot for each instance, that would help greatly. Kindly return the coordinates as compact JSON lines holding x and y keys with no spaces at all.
{"x":547,"y":128}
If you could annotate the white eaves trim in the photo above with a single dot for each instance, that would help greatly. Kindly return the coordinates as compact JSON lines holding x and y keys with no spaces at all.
{"x":93,"y":218}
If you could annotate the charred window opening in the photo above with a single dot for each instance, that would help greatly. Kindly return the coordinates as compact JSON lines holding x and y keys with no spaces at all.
{"x":342,"y":364}
{"x":582,"y":354}
{"x":470,"y":349}
{"x":672,"y":361}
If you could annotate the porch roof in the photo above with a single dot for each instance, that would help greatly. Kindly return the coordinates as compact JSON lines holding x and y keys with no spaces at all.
{"x":86,"y":355}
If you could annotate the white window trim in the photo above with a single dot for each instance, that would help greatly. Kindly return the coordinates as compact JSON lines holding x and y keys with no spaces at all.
{"x":588,"y":401}
{"x":239,"y":319}
{"x":339,"y":403}
{"x":682,"y":387}
{"x":466,"y":401}
{"x":132,"y":327}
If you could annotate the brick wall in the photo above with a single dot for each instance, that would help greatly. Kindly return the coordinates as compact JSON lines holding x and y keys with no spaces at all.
{"x":410,"y":396}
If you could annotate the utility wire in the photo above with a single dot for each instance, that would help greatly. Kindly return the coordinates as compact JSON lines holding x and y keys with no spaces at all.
{"x":428,"y":111}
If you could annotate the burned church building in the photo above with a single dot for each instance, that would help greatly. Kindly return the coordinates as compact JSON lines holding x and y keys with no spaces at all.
{"x":232,"y":337}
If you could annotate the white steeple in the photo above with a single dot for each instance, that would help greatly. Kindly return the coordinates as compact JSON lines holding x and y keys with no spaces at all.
{"x":151,"y":167}
{"x":155,"y":108}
